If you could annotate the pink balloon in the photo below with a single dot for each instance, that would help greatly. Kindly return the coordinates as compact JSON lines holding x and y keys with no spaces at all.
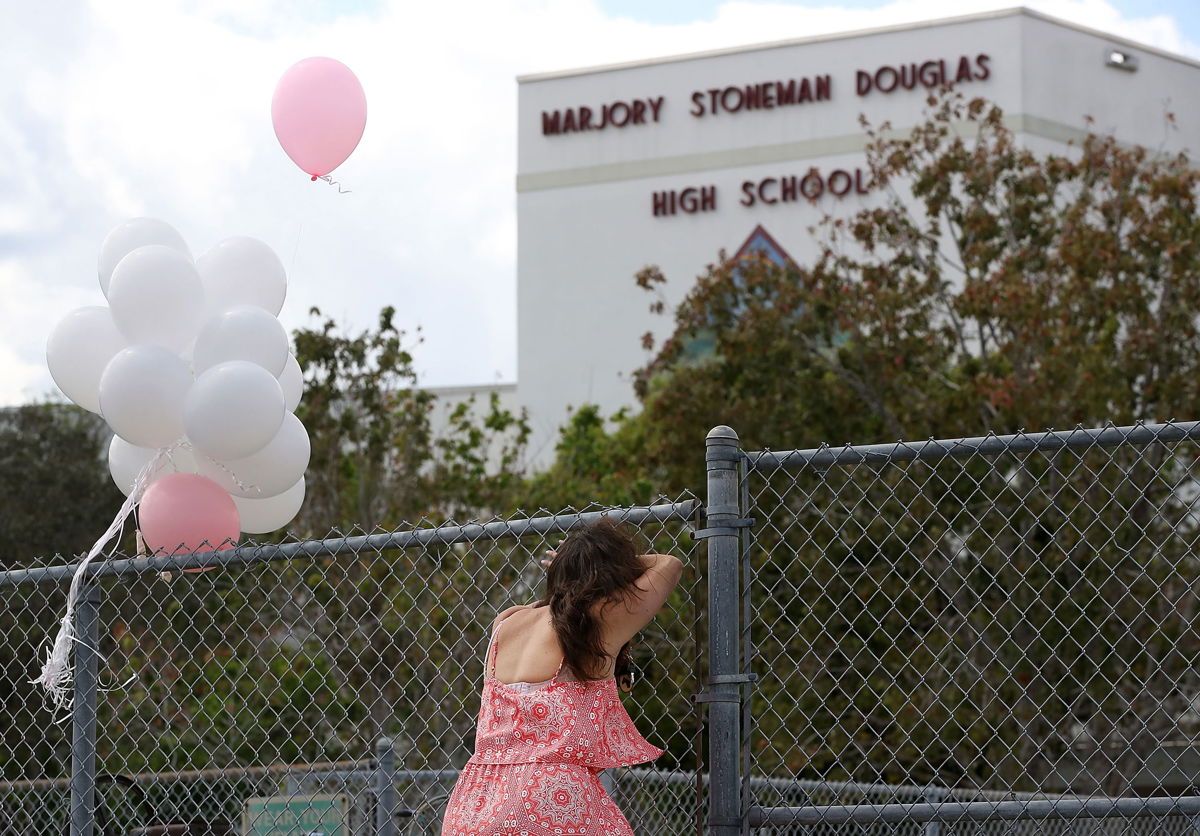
{"x":182,"y":512}
{"x":319,"y":111}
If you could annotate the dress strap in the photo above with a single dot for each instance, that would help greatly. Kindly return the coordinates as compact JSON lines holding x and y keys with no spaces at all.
{"x":554,"y":679}
{"x":493,"y":646}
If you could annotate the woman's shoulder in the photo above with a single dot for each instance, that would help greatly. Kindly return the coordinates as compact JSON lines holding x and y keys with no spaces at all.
{"x":512,"y":611}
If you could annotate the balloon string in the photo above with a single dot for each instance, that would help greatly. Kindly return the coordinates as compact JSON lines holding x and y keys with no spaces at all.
{"x":328,"y":179}
{"x":57,"y":676}
{"x":244,"y":487}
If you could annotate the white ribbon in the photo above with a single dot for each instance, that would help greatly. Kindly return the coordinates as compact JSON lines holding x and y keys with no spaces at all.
{"x":57,"y":675}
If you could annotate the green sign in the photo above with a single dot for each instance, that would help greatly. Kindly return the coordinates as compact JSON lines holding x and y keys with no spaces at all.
{"x":295,"y":815}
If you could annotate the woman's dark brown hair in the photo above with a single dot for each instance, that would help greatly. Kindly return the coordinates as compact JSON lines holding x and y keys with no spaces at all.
{"x":595,"y":564}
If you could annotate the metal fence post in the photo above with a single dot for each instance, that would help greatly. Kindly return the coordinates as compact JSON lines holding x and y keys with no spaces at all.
{"x":723,"y":534}
{"x":83,"y":711}
{"x":385,"y":787}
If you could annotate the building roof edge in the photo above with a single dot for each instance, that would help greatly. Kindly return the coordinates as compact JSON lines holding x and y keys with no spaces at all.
{"x":856,"y":33}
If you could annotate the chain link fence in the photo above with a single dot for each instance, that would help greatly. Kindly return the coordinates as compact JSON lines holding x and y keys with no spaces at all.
{"x":990,"y":635}
{"x":311,"y":686}
{"x":974,"y":636}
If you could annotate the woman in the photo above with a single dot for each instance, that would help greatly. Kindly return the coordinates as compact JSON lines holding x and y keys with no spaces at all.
{"x":551,"y":718}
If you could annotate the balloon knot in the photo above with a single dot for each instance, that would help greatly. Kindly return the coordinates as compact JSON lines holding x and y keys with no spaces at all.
{"x":314,"y":178}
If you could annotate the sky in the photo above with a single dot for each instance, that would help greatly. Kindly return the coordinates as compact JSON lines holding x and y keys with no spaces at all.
{"x":113,"y":109}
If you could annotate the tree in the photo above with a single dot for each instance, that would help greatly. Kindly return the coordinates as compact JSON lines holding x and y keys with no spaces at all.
{"x":54,"y":484}
{"x":375,"y":458}
{"x":56,"y":497}
{"x":594,"y":464}
{"x":988,"y":288}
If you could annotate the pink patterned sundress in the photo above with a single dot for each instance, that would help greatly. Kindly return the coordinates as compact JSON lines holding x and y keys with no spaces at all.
{"x":538,"y":753}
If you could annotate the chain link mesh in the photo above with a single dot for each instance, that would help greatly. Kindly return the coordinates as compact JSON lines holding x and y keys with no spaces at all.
{"x":987,"y":620}
{"x":278,"y":681}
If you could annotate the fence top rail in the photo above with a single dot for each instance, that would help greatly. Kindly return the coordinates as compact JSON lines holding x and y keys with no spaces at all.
{"x":331,"y":547}
{"x":824,"y":457}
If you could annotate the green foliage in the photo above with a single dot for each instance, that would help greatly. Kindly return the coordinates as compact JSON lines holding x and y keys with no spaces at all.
{"x":987,"y":288}
{"x":478,"y":460}
{"x":952,"y":624}
{"x":594,"y":465}
{"x":56,"y":498}
{"x":55,"y":490}
{"x":368,"y":423}
{"x":375,"y":459}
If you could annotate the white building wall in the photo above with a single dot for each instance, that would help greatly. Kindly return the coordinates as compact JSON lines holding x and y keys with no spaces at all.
{"x":585,"y":199}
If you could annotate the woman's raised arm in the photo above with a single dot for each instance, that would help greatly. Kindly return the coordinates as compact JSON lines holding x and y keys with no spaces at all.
{"x":623,"y":619}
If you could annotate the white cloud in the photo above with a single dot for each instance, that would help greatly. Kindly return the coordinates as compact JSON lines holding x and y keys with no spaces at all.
{"x":161,"y":107}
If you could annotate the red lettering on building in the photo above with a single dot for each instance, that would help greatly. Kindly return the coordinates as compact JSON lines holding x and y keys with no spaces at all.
{"x":689,"y":201}
{"x":737,"y":99}
{"x":754,"y":97}
{"x":836,"y":178}
{"x":616,"y":114}
{"x":768,"y":191}
{"x":805,"y":94}
{"x":763,"y":95}
{"x":747,"y":193}
{"x":932,"y":73}
{"x":811,"y":185}
{"x":788,"y":189}
{"x":964,"y":70}
{"x":929,"y":76}
{"x":768,"y":95}
{"x":762,"y":190}
{"x":892,"y":79}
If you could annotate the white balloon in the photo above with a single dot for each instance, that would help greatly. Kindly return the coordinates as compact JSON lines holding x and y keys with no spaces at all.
{"x":79,"y":348}
{"x":157,"y":298}
{"x":138,"y":232}
{"x":270,"y":471}
{"x":262,"y":516}
{"x":126,"y":461}
{"x":292,"y":381}
{"x":233,"y":410}
{"x":246,"y":332}
{"x":243,"y":271}
{"x":142,"y":393}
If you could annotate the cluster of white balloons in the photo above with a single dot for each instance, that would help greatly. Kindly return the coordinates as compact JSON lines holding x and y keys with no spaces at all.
{"x":190,"y":356}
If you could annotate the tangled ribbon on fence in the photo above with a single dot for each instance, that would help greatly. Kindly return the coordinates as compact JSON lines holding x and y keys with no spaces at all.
{"x":57,"y":675}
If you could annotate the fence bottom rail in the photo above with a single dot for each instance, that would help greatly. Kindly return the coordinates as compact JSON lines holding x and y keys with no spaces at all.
{"x":947,"y":811}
